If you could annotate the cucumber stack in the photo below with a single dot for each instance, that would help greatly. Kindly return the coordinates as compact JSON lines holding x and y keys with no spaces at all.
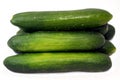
{"x":61,"y":41}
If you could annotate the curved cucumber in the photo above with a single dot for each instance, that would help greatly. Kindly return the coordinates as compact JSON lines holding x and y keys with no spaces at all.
{"x":61,"y":20}
{"x":58,"y":62}
{"x":111,"y":32}
{"x":56,"y":41}
{"x":108,"y":48}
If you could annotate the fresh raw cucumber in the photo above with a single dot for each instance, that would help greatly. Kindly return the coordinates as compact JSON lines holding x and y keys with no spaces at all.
{"x":21,"y":32}
{"x":107,"y":48}
{"x":102,"y":29}
{"x":61,"y":20}
{"x":44,"y":41}
{"x":111,"y":32}
{"x":58,"y":62}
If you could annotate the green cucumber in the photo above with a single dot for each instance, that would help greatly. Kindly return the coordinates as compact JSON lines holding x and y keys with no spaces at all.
{"x":44,"y":41}
{"x":61,"y":20}
{"x":102,"y":29}
{"x":21,"y":32}
{"x":108,"y":48}
{"x":111,"y":32}
{"x":58,"y":62}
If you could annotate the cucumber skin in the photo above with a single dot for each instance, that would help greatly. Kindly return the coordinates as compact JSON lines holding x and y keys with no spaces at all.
{"x":58,"y":62}
{"x":45,"y":41}
{"x":111,"y":32}
{"x":61,"y":20}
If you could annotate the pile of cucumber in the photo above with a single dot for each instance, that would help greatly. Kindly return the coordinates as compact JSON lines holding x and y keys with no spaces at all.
{"x":61,"y":41}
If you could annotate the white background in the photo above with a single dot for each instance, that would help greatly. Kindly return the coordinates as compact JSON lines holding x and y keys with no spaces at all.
{"x":7,"y":30}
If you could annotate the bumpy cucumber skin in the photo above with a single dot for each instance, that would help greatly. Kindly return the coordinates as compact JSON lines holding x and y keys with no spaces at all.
{"x":58,"y":62}
{"x":111,"y":32}
{"x":44,"y":41}
{"x":61,"y":20}
{"x":108,"y":48}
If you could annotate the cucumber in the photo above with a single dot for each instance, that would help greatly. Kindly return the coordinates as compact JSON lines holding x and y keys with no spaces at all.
{"x":44,"y":41}
{"x":111,"y":32}
{"x":21,"y":32}
{"x":108,"y":48}
{"x":61,"y":20}
{"x":102,"y":29}
{"x":58,"y":62}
